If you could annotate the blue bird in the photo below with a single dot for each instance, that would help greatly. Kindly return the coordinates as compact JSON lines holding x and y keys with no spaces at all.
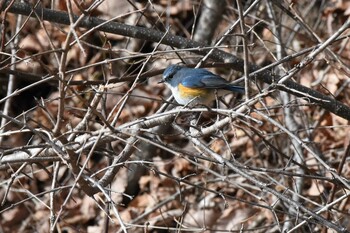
{"x":196,"y":86}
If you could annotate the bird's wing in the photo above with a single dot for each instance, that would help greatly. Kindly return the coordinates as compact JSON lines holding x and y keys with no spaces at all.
{"x":200,"y":78}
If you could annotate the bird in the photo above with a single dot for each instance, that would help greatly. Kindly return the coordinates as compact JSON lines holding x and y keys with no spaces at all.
{"x":192,"y":87}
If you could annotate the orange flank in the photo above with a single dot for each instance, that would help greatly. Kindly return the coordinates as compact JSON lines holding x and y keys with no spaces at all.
{"x":186,"y":92}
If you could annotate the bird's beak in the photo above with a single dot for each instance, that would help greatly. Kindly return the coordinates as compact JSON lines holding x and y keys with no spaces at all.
{"x":161,"y":81}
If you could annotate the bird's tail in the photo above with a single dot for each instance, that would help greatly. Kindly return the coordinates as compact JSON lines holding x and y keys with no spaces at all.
{"x":235,"y":88}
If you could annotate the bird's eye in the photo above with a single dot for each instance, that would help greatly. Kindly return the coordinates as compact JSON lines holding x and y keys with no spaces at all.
{"x":168,"y":77}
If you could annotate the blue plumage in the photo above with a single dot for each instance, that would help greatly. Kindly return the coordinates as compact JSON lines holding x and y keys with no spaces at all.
{"x":200,"y":85}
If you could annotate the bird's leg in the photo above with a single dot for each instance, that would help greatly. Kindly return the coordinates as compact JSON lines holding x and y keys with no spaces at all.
{"x":196,"y":117}
{"x":217,"y":102}
{"x":221,"y":99}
